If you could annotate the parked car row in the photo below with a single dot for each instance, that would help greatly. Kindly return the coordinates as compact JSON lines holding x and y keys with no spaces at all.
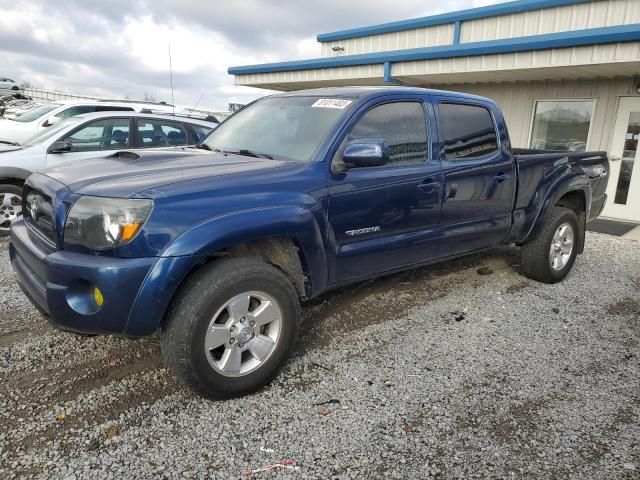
{"x":12,"y":101}
{"x":18,"y":108}
{"x":90,"y":135}
{"x":48,"y":114}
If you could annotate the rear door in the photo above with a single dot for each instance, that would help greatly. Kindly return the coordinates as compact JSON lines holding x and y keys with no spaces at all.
{"x":159,"y":133}
{"x":386,"y":217}
{"x":479,"y":176}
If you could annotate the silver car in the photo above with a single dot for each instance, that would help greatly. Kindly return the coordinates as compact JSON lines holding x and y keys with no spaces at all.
{"x":87,"y":136}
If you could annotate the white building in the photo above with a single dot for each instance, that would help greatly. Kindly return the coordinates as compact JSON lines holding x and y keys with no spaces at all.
{"x":565,"y":72}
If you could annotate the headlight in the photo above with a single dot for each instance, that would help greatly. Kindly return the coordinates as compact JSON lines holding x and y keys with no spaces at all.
{"x":100,"y":223}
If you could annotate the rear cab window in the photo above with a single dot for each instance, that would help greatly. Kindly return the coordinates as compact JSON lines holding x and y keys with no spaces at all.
{"x":468,"y":131}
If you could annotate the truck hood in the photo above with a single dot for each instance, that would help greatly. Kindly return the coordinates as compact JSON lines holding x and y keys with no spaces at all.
{"x":124,"y":174}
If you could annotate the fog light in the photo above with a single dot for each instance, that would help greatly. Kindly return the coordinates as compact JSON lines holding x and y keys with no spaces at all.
{"x":97,"y":296}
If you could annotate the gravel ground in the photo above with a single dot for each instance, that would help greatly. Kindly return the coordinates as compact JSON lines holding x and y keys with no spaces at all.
{"x":462,"y":370}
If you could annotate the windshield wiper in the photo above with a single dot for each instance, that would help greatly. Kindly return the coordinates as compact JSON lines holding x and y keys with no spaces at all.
{"x":202,"y":146}
{"x":249,"y":153}
{"x":7,"y":142}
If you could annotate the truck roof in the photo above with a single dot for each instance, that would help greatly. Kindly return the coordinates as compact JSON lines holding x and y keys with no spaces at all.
{"x":363,"y":92}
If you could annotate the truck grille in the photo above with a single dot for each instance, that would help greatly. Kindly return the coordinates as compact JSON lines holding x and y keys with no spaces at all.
{"x":38,"y":212}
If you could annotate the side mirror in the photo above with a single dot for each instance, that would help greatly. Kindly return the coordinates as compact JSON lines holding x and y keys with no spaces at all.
{"x":50,"y":121}
{"x":60,"y":146}
{"x":366,"y":152}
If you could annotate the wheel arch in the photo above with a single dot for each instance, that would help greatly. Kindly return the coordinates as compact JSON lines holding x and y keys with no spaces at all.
{"x":14,"y":176}
{"x":288,"y":238}
{"x":573,"y":192}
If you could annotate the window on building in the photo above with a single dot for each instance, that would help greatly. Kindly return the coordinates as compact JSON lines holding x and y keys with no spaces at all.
{"x":468,"y":131}
{"x":562,"y":125}
{"x":402,"y":125}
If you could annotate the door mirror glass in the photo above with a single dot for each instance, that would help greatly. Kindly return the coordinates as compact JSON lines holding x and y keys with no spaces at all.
{"x":366,"y":152}
{"x":61,"y":146}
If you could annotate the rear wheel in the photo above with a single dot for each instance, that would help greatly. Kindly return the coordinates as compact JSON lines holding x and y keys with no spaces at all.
{"x":550,"y":256}
{"x":231,"y":327}
{"x":10,"y":207}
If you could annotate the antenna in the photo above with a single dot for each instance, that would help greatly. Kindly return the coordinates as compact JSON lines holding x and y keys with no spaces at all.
{"x":199,"y":98}
{"x":173,"y":103}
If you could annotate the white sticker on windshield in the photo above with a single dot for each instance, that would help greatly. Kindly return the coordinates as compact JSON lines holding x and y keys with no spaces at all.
{"x":338,"y":103}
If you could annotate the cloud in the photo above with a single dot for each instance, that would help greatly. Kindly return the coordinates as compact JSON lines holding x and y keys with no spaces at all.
{"x":120,"y":47}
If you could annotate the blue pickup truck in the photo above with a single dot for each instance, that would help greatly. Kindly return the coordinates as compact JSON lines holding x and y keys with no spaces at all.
{"x":217,"y":246}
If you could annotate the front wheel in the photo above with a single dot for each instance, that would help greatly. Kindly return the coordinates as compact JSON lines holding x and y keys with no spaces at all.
{"x":231,"y":327}
{"x":10,"y":207}
{"x":550,"y":256}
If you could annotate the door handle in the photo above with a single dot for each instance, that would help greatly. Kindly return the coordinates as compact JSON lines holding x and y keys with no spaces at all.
{"x":429,"y":187}
{"x":501,"y":177}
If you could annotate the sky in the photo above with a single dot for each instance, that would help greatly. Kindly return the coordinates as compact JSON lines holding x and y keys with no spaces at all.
{"x":120,"y":48}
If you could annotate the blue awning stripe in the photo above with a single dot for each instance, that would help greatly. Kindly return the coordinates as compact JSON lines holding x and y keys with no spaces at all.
{"x":593,"y":36}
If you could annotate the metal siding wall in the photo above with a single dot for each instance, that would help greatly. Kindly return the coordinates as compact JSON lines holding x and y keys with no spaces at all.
{"x":600,"y":13}
{"x":318,"y":75}
{"x":516,"y":101}
{"x":561,"y":57}
{"x":421,"y":37}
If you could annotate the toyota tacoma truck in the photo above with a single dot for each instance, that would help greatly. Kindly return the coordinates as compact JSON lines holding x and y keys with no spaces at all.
{"x":298,"y":193}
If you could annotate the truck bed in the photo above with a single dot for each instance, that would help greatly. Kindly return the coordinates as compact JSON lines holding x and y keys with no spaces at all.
{"x":539,"y":168}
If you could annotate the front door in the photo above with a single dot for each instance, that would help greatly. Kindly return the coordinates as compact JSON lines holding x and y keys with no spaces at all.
{"x":624,"y":180}
{"x":93,"y":140}
{"x":386,"y":217}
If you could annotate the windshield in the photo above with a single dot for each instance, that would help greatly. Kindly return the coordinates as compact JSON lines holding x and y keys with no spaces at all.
{"x":37,"y":112}
{"x":50,"y":132}
{"x":279,"y":127}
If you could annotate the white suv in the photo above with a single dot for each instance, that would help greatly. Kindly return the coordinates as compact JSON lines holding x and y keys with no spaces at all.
{"x":42,"y":117}
{"x":87,"y":136}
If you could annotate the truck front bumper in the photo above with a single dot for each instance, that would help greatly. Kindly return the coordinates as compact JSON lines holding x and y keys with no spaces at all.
{"x":62,"y":285}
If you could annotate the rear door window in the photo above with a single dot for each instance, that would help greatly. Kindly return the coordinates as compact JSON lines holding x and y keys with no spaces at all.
{"x":468,"y":131}
{"x":161,"y":133}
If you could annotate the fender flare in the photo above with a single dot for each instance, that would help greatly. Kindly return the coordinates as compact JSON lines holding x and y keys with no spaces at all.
{"x":572,"y":183}
{"x":196,"y":245}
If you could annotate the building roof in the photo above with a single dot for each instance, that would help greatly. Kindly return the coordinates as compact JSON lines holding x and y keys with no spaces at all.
{"x":576,"y":38}
{"x":517,"y":6}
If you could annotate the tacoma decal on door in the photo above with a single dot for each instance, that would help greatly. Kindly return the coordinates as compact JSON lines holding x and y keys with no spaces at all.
{"x":362,"y":231}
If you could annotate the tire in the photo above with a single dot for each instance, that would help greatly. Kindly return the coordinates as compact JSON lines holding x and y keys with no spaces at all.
{"x":10,"y":206}
{"x":201,"y":308}
{"x":537,"y":260}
